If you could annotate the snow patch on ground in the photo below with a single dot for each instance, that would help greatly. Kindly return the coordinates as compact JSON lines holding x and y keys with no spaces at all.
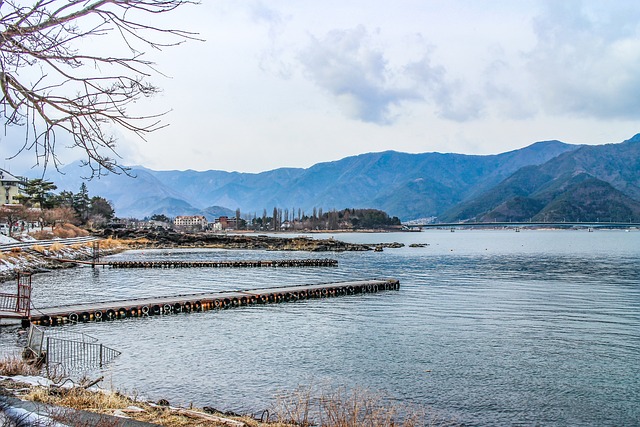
{"x":29,"y":379}
{"x":6,"y":239}
{"x":23,"y":417}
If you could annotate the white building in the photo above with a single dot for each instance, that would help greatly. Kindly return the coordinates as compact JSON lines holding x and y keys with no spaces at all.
{"x":192,"y":221}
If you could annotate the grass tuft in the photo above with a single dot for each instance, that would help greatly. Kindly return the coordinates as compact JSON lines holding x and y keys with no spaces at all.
{"x":341,"y":407}
{"x":56,"y":247}
{"x":111,"y":243}
{"x":38,"y":248}
{"x":14,"y":365}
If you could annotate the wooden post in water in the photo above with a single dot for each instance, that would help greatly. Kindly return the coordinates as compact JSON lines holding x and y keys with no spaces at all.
{"x":96,"y":253}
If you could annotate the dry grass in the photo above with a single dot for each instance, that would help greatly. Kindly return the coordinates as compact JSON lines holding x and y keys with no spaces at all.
{"x":16,"y":250}
{"x":42,"y":235}
{"x":142,"y":241}
{"x":341,"y":407}
{"x":38,"y":248}
{"x":66,"y":231}
{"x":111,"y":243}
{"x":305,"y":407}
{"x":56,"y":247}
{"x":108,"y":403}
{"x":80,"y":398}
{"x":14,"y":365}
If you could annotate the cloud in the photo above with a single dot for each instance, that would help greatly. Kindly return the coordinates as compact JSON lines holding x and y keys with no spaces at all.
{"x":345,"y":64}
{"x":587,"y":59}
{"x":501,"y":90}
{"x":271,"y":59}
{"x":451,"y":99}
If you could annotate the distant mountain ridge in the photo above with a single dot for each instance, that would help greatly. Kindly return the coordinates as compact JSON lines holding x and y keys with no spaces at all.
{"x":405,"y":185}
{"x":555,"y":185}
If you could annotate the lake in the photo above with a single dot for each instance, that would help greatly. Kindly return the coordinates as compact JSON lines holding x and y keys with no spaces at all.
{"x":489,"y":327}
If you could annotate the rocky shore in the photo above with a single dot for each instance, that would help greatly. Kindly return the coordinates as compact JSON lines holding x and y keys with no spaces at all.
{"x":37,"y":259}
{"x":172,"y":239}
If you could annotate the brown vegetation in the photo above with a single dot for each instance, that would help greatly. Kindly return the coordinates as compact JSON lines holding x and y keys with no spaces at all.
{"x":38,"y":248}
{"x":13,"y":365}
{"x":63,"y":231}
{"x":304,"y":407}
{"x":56,"y":247}
{"x":108,"y":403}
{"x":341,"y":407}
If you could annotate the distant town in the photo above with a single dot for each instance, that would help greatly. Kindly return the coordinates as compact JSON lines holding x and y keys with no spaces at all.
{"x":32,"y":205}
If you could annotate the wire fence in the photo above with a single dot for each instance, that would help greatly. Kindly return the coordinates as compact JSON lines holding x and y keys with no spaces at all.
{"x":68,"y":351}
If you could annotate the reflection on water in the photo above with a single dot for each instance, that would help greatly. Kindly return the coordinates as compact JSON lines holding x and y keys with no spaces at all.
{"x":489,"y":327}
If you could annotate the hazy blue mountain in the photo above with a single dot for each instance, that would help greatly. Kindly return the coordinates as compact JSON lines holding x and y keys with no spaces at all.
{"x":593,"y":181}
{"x":213,"y":212}
{"x":404,"y":185}
{"x":374,"y":180}
{"x":138,"y":195}
{"x":409,"y":185}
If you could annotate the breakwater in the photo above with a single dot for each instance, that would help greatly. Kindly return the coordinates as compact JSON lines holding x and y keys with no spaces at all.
{"x":143,"y":307}
{"x":211,"y":264}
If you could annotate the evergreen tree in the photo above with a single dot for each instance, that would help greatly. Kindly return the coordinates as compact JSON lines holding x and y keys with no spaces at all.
{"x":101,"y":207}
{"x":81,"y":203}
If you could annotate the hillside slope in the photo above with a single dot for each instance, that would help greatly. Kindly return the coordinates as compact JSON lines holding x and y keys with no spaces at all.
{"x":595,"y":181}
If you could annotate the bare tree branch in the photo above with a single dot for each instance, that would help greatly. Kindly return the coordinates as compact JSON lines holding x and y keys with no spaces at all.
{"x":49,"y":86}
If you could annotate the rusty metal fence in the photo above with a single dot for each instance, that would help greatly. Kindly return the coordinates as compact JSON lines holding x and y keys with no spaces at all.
{"x":68,"y":351}
{"x":20,"y":302}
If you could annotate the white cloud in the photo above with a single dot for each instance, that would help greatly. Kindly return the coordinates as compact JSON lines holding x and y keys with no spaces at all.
{"x":587,"y":59}
{"x":283,"y":83}
{"x":347,"y":65}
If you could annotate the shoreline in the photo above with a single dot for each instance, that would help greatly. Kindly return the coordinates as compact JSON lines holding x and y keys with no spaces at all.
{"x":37,"y":259}
{"x":32,"y":261}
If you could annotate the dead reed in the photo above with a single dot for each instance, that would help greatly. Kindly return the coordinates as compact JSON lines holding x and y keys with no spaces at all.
{"x":110,"y":403}
{"x":56,"y":247}
{"x":38,"y":248}
{"x":14,"y":365}
{"x":341,"y":407}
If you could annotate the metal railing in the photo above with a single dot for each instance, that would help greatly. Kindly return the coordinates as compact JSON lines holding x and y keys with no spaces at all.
{"x":20,"y":302}
{"x":68,"y":350}
{"x":8,"y":302}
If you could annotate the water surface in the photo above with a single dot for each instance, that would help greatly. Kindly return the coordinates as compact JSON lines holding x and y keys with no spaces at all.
{"x":489,"y":327}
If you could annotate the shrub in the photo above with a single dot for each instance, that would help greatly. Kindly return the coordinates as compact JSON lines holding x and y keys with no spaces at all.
{"x":66,"y":231}
{"x":42,"y":235}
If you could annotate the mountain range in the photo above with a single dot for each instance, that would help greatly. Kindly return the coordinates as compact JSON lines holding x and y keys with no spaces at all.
{"x":546,"y":180}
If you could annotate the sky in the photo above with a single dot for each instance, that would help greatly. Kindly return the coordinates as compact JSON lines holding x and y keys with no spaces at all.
{"x":293,"y":83}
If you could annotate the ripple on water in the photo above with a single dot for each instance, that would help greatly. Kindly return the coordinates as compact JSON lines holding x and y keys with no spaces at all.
{"x":491,"y":328}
